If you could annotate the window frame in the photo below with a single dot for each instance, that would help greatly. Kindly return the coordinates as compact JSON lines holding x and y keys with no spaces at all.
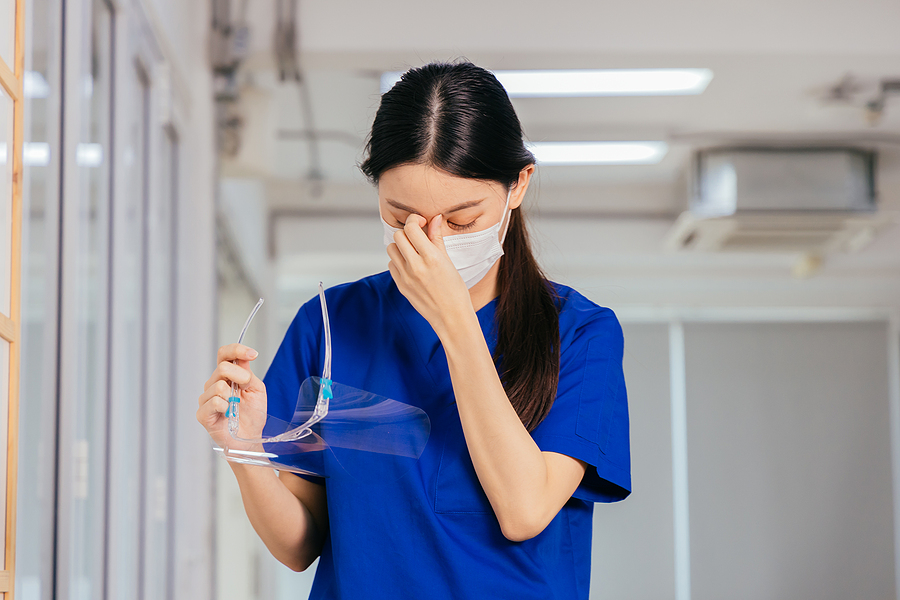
{"x":12,"y":79}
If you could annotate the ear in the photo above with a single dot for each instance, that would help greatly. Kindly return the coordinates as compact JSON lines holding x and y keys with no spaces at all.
{"x":518,"y":193}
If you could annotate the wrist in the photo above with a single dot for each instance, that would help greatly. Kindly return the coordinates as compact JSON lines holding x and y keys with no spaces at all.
{"x":244,"y":472}
{"x":459,"y":330}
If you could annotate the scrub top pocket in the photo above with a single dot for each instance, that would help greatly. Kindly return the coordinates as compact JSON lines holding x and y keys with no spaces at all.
{"x":457,"y":489}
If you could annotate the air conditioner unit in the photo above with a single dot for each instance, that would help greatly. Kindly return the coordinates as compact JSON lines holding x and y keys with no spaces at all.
{"x":798,"y":200}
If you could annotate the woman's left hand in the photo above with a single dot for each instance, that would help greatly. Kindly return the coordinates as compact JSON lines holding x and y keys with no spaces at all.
{"x":426,"y":276}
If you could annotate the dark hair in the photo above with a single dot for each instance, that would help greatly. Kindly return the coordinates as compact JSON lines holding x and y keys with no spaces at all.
{"x":458,"y":118}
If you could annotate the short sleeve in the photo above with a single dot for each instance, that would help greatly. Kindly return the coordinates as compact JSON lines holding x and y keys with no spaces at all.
{"x":298,"y":358}
{"x":589,"y":417}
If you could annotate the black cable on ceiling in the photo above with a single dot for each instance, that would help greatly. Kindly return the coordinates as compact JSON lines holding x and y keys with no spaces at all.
{"x":288,"y":56}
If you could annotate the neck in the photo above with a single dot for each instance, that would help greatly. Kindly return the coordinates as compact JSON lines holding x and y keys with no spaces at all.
{"x":485,"y":290}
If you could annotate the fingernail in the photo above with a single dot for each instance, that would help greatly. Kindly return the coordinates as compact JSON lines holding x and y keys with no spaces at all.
{"x":252,"y":354}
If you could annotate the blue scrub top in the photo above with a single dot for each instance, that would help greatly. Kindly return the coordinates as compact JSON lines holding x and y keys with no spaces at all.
{"x":432,"y":533}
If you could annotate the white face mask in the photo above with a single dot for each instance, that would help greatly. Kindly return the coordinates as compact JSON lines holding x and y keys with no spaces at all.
{"x":473,"y":254}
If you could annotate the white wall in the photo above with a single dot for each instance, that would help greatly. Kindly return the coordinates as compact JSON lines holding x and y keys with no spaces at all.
{"x":789,"y":445}
{"x":785,"y":460}
{"x":617,"y":263}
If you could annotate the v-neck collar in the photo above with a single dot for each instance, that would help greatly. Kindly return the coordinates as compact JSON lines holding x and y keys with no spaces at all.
{"x":425,"y":340}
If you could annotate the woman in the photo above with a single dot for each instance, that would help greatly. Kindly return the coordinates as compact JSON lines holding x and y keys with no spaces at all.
{"x":521,"y":378}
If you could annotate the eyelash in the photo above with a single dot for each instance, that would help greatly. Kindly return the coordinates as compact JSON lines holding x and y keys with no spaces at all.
{"x":461,"y":227}
{"x":465,"y":227}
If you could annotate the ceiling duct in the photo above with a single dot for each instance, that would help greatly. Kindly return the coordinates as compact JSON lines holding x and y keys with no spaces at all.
{"x":813,"y":201}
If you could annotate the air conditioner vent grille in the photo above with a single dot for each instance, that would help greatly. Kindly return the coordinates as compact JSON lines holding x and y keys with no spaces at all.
{"x":773,"y":232}
{"x":775,"y":241}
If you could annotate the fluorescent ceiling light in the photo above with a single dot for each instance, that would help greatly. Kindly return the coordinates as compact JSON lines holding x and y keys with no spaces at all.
{"x":598,"y":153}
{"x":35,"y":85}
{"x":89,"y":155}
{"x":601,"y":82}
{"x":36,"y":154}
{"x":607,"y":82}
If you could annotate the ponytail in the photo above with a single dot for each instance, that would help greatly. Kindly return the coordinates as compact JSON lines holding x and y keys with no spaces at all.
{"x":527,"y":351}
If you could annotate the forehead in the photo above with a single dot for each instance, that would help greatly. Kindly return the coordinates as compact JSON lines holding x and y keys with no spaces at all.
{"x":425,"y":188}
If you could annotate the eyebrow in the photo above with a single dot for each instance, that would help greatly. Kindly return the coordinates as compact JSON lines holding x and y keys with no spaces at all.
{"x":457,"y":208}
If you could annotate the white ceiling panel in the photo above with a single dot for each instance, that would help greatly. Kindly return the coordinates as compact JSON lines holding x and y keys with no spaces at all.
{"x":761,"y":26}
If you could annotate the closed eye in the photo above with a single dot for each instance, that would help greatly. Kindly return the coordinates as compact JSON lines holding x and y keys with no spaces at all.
{"x":464,"y":227}
{"x":458,"y":227}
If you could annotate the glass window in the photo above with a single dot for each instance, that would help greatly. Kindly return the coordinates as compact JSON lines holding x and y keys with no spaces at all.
{"x":129,"y":371}
{"x":6,"y":155}
{"x":8,"y":32}
{"x":160,"y":290}
{"x":37,"y":393}
{"x":86,"y":350}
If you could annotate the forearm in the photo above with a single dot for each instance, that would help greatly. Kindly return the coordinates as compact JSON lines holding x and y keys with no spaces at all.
{"x":281,"y":520}
{"x":510,"y":466}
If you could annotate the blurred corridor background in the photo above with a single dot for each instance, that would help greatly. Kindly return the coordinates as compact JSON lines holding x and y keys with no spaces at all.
{"x":183,"y":158}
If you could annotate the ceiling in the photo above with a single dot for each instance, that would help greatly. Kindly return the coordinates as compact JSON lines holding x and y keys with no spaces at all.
{"x":773,"y":62}
{"x":774,"y":99}
{"x":767,"y":27}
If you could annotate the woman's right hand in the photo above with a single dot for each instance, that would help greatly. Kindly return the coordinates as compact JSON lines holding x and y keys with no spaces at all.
{"x":217,"y":390}
{"x":293,"y":531}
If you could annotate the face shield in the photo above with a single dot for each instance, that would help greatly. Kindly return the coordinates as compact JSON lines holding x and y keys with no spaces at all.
{"x":333,"y":427}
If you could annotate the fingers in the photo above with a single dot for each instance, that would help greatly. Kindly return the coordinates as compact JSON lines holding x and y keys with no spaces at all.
{"x":232,"y":373}
{"x":220,"y":389}
{"x":417,"y":220}
{"x":435,"y":230}
{"x":210,"y":410}
{"x":405,"y":257}
{"x":404,"y":247}
{"x":396,"y":261}
{"x":255,"y":382}
{"x":395,"y":255}
{"x":235,"y":352}
{"x":415,"y":234}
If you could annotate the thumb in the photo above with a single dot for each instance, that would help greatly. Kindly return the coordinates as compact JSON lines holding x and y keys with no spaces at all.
{"x":435,"y":231}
